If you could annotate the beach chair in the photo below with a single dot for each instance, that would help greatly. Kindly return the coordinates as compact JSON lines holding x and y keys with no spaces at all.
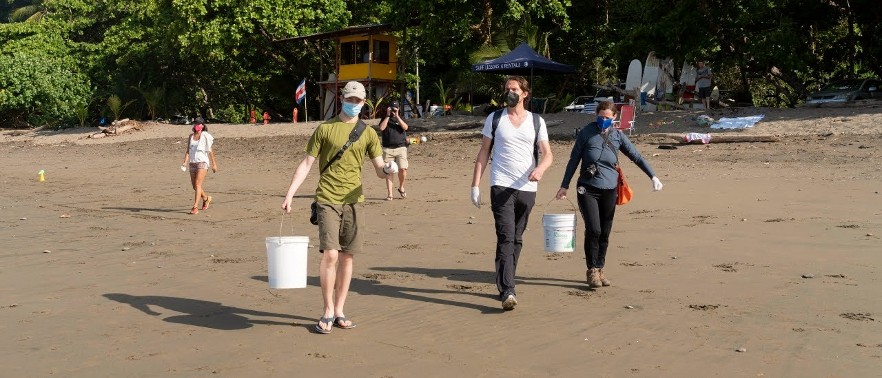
{"x":626,"y":119}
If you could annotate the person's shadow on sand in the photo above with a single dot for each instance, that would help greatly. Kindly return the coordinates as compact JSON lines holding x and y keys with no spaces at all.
{"x":200,"y":313}
{"x":478,"y":276}
{"x":375,"y":287}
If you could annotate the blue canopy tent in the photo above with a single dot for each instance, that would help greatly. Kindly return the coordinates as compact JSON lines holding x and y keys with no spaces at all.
{"x":524,"y":61}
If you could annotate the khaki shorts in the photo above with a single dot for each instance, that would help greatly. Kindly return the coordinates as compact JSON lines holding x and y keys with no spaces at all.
{"x":340,"y":227}
{"x":398,"y":154}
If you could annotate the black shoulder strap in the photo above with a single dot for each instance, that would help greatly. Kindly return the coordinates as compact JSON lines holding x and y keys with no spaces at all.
{"x":536,"y":124}
{"x":353,"y":136}
{"x":497,"y":115}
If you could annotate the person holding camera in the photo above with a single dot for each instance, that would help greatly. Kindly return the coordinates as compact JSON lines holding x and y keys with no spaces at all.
{"x":514,"y":137}
{"x":596,"y":150}
{"x":339,"y":210}
{"x":394,"y":136}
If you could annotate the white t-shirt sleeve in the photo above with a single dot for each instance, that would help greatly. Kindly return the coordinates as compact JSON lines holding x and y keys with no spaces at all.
{"x":487,"y":131}
{"x":543,"y":130}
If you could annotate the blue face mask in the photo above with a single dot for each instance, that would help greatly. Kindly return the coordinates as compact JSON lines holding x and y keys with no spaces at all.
{"x":351,"y":109}
{"x":604,"y":123}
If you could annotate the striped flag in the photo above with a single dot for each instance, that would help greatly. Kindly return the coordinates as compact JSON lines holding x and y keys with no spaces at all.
{"x":300,"y":93}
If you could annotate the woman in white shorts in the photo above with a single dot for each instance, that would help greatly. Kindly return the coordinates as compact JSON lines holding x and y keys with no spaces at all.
{"x":198,"y":157}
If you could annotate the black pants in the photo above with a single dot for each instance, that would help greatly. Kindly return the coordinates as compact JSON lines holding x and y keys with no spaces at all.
{"x":511,"y":210}
{"x":598,"y":207}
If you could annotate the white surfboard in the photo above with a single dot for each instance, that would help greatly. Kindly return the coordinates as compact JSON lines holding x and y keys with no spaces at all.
{"x":666,"y":78}
{"x":634,"y":78}
{"x":687,"y":81}
{"x":650,"y":79}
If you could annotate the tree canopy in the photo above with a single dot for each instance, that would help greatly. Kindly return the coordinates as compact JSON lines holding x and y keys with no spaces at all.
{"x":60,"y":60}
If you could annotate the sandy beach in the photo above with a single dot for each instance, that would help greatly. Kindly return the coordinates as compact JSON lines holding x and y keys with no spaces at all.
{"x":756,"y":260}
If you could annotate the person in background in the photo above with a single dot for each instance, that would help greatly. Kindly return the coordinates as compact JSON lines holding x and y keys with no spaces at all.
{"x":596,"y":151}
{"x":514,"y":178}
{"x":339,"y":197}
{"x":394,"y":131}
{"x":703,"y":83}
{"x":199,"y":157}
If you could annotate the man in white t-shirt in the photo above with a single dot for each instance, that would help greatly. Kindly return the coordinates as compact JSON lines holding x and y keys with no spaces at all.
{"x":514,"y":178}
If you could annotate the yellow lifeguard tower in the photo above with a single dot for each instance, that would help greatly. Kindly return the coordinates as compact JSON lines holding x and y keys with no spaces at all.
{"x":367,"y":54}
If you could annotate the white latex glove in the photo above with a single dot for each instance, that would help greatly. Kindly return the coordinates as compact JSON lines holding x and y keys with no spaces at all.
{"x":656,"y":184}
{"x":390,"y":168}
{"x":476,"y":197}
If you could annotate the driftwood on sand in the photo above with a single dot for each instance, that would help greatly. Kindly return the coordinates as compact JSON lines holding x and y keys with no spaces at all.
{"x":717,"y":138}
{"x":116,"y":128}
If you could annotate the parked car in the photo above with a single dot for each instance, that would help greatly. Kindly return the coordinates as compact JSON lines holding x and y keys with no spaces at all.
{"x":846,"y":91}
{"x":587,"y":104}
{"x":579,"y":103}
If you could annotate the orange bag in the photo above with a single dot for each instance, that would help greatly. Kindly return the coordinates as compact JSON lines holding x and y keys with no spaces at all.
{"x":625,"y":192}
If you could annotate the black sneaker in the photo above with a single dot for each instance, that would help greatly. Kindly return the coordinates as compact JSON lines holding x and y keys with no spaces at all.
{"x":509,"y":302}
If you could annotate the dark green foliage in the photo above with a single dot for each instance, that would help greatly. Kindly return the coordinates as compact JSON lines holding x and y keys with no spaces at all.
{"x":60,"y":60}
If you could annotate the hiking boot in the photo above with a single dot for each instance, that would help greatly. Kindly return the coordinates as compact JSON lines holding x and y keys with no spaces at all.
{"x":603,"y":279}
{"x":593,"y":275}
{"x":509,"y":302}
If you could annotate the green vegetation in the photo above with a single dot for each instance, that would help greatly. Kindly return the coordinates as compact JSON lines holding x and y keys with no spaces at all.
{"x":217,"y":58}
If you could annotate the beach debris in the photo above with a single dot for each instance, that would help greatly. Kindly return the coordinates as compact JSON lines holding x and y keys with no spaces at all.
{"x":862,"y":316}
{"x":697,"y":137}
{"x":707,"y":307}
{"x":673,"y":257}
{"x":704,"y":120}
{"x":741,"y":350}
{"x":22,"y":218}
{"x":869,"y":234}
{"x":126,"y":248}
{"x":629,"y":307}
{"x":47,"y":251}
{"x":64,"y":216}
{"x":808,"y":275}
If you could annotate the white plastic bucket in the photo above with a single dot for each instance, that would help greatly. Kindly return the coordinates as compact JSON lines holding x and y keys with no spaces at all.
{"x":286,"y":261}
{"x":560,"y":232}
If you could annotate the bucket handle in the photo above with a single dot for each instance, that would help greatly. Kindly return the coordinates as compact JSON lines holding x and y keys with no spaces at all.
{"x":566,"y":198}
{"x":283,"y":222}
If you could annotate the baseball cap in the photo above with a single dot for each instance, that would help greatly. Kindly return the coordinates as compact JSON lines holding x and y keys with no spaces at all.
{"x":354,"y":88}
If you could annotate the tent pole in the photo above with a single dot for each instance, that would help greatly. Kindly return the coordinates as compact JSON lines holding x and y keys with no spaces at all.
{"x":532,"y":85}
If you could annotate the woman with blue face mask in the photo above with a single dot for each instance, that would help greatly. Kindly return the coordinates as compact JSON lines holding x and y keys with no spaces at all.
{"x":596,"y":153}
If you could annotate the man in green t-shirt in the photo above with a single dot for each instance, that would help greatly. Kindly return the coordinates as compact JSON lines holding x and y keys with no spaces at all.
{"x":339,"y":198}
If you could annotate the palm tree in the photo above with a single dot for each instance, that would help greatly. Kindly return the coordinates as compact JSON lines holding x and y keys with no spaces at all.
{"x":510,"y":37}
{"x":31,"y":11}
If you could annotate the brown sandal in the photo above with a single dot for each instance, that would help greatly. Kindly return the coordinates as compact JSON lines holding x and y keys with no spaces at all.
{"x":206,"y":203}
